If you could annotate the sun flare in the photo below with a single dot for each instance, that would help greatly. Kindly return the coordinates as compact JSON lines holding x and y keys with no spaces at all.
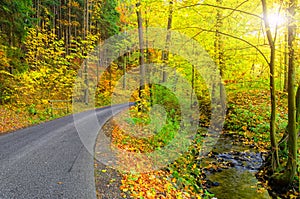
{"x":276,"y":20}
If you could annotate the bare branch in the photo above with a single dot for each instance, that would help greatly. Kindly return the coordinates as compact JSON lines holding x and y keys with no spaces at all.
{"x":235,"y":9}
{"x":234,"y":37}
{"x":222,"y":7}
{"x":267,"y":24}
{"x":276,"y":28}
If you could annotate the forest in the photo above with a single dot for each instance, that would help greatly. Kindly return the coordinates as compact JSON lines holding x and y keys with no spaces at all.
{"x":215,"y":86}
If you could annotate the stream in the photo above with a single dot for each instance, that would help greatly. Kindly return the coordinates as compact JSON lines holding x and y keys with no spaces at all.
{"x":230,"y":170}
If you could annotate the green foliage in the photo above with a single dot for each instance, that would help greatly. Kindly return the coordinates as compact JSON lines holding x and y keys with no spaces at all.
{"x":241,"y":119}
{"x":254,"y":115}
{"x":32,"y":109}
{"x":186,"y":170}
{"x":15,"y":16}
{"x":109,"y":19}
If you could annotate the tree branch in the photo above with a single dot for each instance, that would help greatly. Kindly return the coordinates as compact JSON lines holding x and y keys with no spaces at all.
{"x":267,"y":24}
{"x":222,"y":7}
{"x":235,"y":9}
{"x":232,"y":36}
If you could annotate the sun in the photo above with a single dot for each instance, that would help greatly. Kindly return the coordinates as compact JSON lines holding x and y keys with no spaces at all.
{"x":276,"y":20}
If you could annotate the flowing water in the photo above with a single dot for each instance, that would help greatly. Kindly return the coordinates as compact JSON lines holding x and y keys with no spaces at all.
{"x":231,"y":168}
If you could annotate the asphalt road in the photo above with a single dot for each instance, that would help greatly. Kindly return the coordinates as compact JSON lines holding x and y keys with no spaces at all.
{"x":50,"y":160}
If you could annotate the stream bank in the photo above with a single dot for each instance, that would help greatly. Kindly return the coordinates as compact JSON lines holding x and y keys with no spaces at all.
{"x":229,"y":170}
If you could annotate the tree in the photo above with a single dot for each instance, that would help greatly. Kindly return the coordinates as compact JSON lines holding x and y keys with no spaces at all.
{"x":141,"y":48}
{"x":298,"y":107}
{"x":165,"y":52}
{"x":15,"y":17}
{"x":287,"y":177}
{"x":85,"y":33}
{"x":109,"y":19}
{"x":219,"y":54}
{"x":271,"y":40}
{"x":285,"y":83}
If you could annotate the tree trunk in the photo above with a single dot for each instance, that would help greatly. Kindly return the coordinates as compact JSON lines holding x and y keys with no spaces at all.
{"x":141,"y":47}
{"x":219,"y":55}
{"x":60,"y":20}
{"x":291,"y":166}
{"x":86,"y":20}
{"x":285,"y":84}
{"x":298,"y":110}
{"x":165,"y":53}
{"x":148,"y":69}
{"x":193,"y":86}
{"x":285,"y":179}
{"x":274,"y":145}
{"x":87,"y":16}
{"x":54,"y":19}
{"x":38,"y":13}
{"x":69,"y":28}
{"x":298,"y":106}
{"x":124,"y":71}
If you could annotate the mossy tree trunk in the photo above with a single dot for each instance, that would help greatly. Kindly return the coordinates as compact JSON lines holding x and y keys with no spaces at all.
{"x":287,"y":177}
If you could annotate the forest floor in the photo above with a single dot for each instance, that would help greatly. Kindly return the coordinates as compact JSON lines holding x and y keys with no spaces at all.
{"x":14,"y":117}
{"x":11,"y":120}
{"x":161,"y":183}
{"x":247,"y":122}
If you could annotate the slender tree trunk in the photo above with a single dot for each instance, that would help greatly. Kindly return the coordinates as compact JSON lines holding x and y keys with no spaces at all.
{"x":147,"y":38}
{"x":298,"y":110}
{"x":141,"y":47}
{"x":285,"y":84}
{"x":38,"y":13}
{"x":110,"y":78}
{"x":298,"y":107}
{"x":219,"y":56}
{"x":193,"y":86}
{"x":165,"y":53}
{"x":124,"y":71}
{"x":290,"y":170}
{"x":219,"y":51}
{"x":87,"y":16}
{"x":54,"y":19}
{"x":69,"y":27}
{"x":37,"y":30}
{"x":60,"y":20}
{"x":86,"y":20}
{"x":274,"y":145}
{"x":273,"y":110}
{"x":148,"y":61}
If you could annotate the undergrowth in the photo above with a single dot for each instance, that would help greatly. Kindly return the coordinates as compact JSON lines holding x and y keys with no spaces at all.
{"x":248,"y":115}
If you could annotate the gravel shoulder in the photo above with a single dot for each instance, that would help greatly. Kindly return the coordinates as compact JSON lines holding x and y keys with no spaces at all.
{"x":107,"y":180}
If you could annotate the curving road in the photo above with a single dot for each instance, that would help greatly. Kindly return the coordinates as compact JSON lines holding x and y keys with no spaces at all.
{"x":49,"y":160}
